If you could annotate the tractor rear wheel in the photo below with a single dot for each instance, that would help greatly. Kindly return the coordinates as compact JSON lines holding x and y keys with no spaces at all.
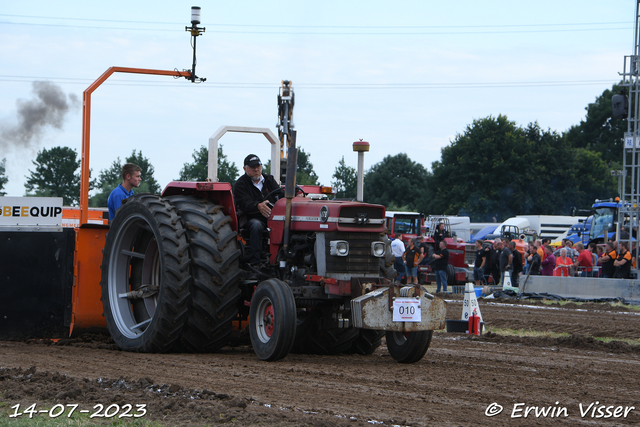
{"x":408,"y":347}
{"x":215,"y":272}
{"x":332,"y":341}
{"x":312,"y":338}
{"x":145,"y":275}
{"x":272,"y":320}
{"x":367,"y":342}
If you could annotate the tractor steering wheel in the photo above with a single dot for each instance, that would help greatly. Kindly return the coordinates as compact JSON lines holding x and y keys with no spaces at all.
{"x":274,"y":192}
{"x":281,"y":190}
{"x":300,"y":190}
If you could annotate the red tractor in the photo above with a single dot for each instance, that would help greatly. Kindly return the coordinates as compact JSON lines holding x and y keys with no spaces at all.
{"x":410,"y":225}
{"x":175,"y":275}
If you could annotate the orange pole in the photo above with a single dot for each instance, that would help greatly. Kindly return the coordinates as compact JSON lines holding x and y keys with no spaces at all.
{"x":86,"y":126}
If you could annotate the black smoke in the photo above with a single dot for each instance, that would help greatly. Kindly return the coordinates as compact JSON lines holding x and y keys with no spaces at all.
{"x":47,"y":108}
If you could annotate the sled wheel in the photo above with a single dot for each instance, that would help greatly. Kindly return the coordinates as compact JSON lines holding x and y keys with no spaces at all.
{"x":386,"y":263}
{"x":408,"y":347}
{"x":145,"y":275}
{"x":272,"y":320}
{"x":367,"y":341}
{"x":214,"y":289}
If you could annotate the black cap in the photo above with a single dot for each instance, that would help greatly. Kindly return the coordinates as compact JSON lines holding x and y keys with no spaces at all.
{"x":252,"y":160}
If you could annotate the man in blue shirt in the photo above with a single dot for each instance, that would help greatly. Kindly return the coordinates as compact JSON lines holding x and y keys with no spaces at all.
{"x":130,"y":178}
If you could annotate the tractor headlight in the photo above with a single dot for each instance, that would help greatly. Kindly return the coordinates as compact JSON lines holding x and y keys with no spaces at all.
{"x":377,"y":249}
{"x":339,"y":247}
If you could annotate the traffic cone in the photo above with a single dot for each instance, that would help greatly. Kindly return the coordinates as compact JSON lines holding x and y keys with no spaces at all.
{"x":507,"y":279}
{"x":470,"y":304}
{"x":507,"y":286}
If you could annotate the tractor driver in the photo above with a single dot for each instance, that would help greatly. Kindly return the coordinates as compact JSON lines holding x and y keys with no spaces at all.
{"x":440,"y":234}
{"x":249,"y":193}
{"x":130,"y":178}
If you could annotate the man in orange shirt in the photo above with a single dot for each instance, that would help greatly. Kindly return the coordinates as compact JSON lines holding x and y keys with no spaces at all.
{"x":608,"y":259}
{"x":545,"y":242}
{"x":623,"y":262}
{"x":585,"y":260}
{"x":540,"y":249}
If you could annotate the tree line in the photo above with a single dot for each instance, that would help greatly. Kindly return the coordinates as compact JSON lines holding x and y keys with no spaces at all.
{"x":491,"y":171}
{"x":497,"y":169}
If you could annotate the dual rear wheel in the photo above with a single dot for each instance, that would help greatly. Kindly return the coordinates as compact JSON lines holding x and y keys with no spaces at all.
{"x":170,"y":275}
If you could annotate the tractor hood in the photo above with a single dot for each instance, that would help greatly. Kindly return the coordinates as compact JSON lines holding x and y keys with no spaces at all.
{"x":313,"y":215}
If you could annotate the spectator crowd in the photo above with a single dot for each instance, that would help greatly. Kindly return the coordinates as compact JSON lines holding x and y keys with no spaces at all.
{"x":502,"y":259}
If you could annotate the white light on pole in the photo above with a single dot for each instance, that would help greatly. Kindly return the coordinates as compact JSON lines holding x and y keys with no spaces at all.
{"x":195,"y":15}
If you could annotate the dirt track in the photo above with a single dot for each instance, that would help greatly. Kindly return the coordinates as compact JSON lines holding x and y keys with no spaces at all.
{"x":455,"y":384}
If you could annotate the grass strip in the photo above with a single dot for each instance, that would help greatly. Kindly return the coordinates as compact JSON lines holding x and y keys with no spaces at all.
{"x":612,"y":304}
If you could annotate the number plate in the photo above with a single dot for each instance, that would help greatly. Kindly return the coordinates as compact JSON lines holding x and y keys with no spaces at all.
{"x":407,"y":310}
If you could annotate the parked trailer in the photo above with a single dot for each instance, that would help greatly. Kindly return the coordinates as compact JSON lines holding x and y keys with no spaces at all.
{"x":550,"y":226}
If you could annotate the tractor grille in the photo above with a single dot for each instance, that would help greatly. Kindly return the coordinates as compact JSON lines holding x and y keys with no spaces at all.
{"x":470,"y":254}
{"x":360,"y":261}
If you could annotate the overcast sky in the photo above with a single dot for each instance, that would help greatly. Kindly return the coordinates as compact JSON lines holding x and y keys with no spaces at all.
{"x":406,"y":76}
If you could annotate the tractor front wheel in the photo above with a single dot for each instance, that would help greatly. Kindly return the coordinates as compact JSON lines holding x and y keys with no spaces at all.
{"x":408,"y":347}
{"x":272,"y":320}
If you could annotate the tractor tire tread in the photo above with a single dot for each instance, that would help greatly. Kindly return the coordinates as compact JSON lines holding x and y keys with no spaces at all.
{"x":214,"y":289}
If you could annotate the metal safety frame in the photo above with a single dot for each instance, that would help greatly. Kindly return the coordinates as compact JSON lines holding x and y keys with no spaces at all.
{"x":629,"y":209}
